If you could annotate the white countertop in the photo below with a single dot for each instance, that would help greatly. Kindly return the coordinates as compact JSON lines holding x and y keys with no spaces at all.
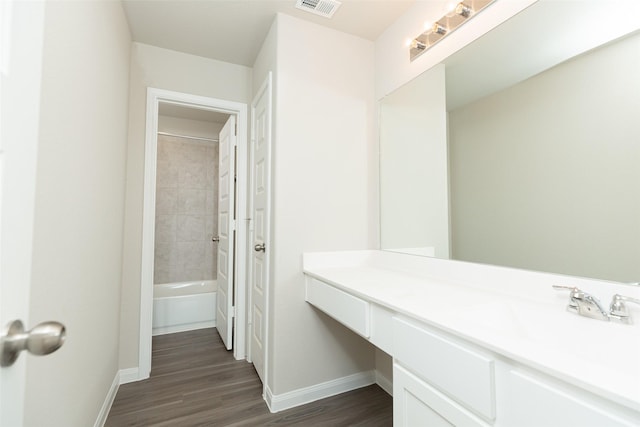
{"x":512,"y":312}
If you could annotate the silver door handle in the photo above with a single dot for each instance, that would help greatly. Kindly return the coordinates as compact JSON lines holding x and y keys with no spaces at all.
{"x":259,"y":247}
{"x":215,"y":239}
{"x":44,"y":338}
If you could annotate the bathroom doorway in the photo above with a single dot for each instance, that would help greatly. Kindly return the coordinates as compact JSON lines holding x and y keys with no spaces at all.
{"x":186,"y":241}
{"x":182,"y":130}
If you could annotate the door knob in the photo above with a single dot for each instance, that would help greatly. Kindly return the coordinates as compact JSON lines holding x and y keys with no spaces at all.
{"x":44,"y":338}
{"x":215,"y":239}
{"x":259,"y":247}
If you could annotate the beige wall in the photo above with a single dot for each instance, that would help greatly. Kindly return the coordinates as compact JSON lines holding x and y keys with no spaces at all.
{"x":170,"y":70}
{"x":80,"y":185}
{"x":323,"y":166}
{"x":545,"y":176}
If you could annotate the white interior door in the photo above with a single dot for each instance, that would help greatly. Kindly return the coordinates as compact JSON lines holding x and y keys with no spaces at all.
{"x":261,"y":144}
{"x":226,"y":228}
{"x":21,"y":25}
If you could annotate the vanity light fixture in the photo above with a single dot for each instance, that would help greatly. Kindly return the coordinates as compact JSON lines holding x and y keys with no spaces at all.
{"x":417,"y":44}
{"x":463,"y":10}
{"x":459,"y":14}
{"x":438,"y":29}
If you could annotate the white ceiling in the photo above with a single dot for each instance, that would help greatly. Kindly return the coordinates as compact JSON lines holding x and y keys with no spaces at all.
{"x":233,"y":30}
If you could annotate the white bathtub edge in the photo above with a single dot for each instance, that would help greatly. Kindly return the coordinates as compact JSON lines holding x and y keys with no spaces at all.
{"x":163,"y":330}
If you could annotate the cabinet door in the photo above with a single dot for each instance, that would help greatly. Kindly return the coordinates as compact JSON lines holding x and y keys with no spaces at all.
{"x":416,"y":403}
{"x":533,"y":402}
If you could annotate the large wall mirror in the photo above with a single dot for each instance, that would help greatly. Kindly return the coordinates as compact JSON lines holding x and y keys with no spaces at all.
{"x":523,"y":148}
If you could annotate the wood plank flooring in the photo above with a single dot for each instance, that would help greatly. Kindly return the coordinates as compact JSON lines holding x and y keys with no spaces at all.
{"x":195,"y":381}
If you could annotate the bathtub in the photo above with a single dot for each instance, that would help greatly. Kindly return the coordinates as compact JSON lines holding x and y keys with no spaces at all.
{"x":184,"y":306}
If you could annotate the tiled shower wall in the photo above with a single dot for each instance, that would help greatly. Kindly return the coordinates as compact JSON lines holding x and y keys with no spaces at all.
{"x":186,"y":210}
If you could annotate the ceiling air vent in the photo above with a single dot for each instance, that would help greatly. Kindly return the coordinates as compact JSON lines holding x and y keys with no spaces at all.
{"x":324,"y":8}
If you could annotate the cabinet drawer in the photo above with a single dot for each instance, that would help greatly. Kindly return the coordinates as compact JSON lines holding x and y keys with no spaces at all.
{"x":345,"y":308}
{"x":463,"y":374}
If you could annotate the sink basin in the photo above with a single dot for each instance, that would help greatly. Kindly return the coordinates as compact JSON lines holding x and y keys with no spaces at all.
{"x":550,"y":329}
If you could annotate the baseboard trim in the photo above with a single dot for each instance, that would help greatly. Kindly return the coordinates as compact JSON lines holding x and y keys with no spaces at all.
{"x":163,"y":330}
{"x":384,"y":383}
{"x":108,"y":401}
{"x":129,"y":375}
{"x":280,"y":402}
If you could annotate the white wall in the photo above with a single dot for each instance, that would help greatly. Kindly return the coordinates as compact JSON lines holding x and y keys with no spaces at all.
{"x":393,"y":67}
{"x":324,"y":165}
{"x":414,"y":197}
{"x":180,"y":126}
{"x":163,"y":69}
{"x":77,"y":246}
{"x":544,"y":175}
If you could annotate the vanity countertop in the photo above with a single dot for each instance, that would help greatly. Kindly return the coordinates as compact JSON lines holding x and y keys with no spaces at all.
{"x":511,"y":312}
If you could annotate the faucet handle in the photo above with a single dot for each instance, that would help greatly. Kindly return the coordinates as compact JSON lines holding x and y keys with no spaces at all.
{"x":618,"y":309}
{"x":561,"y":287}
{"x":573,"y":295}
{"x":583,"y":303}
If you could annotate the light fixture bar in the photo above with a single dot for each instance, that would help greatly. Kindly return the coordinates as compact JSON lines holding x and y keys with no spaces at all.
{"x":461,"y":13}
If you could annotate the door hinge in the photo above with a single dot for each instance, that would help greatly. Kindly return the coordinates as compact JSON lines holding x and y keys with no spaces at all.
{"x":236,"y":130}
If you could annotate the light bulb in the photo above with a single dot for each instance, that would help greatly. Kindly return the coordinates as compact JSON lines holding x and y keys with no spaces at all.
{"x":439,"y":29}
{"x":463,"y":10}
{"x":416,"y":44}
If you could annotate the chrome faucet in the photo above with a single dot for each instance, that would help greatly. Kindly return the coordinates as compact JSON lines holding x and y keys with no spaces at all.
{"x":618,"y":309}
{"x":584,"y":304}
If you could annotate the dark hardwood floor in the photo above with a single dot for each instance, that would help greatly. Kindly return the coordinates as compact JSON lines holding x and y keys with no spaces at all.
{"x":195,"y":381}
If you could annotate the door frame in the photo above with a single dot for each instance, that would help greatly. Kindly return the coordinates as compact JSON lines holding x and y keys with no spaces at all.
{"x":154,"y":98}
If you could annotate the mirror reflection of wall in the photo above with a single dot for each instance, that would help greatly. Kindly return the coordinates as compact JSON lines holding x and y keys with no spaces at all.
{"x":544,"y":174}
{"x":413,"y":120}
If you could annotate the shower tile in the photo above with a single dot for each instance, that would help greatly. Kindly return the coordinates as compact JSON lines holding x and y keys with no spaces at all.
{"x":184,"y":273}
{"x":195,"y":272}
{"x":190,"y":253}
{"x":191,"y":202}
{"x":192,"y":176}
{"x":165,"y":228}
{"x":193,"y":153}
{"x":212,"y":168}
{"x":211,"y":202}
{"x":210,"y":261}
{"x":166,"y":175}
{"x":161,"y":274}
{"x":208,"y":227}
{"x":169,"y":149}
{"x":191,"y":228}
{"x":166,"y":201}
{"x":165,"y":255}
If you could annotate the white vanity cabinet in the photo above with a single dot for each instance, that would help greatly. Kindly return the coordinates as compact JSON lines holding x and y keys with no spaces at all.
{"x":351,"y":311}
{"x":465,"y":364}
{"x":436,"y":377}
{"x":417,"y":403}
{"x":531,"y":400}
{"x":441,"y":380}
